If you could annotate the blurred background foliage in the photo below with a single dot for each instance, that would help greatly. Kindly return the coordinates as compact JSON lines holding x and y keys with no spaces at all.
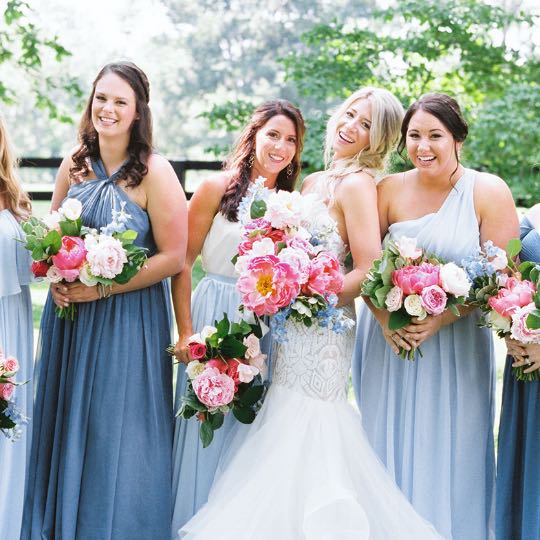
{"x":211,"y":62}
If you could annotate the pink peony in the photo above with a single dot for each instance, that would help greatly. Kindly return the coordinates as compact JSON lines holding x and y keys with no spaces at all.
{"x":106,"y":256}
{"x":71,"y":256}
{"x":256,"y":230}
{"x":520,"y":330}
{"x":325,"y":276}
{"x":6,"y":390}
{"x":197,"y":350}
{"x":433,"y":299}
{"x":39,"y":268}
{"x":516,"y":294}
{"x":412,"y":279}
{"x":267,"y":284}
{"x":214,"y":389}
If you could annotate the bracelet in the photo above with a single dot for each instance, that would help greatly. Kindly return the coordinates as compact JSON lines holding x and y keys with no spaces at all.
{"x":104,"y":291}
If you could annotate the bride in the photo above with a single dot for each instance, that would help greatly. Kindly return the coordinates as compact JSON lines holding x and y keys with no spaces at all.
{"x":304,"y":469}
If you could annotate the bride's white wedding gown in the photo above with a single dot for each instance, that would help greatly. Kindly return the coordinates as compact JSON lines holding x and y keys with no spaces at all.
{"x":305,"y":469}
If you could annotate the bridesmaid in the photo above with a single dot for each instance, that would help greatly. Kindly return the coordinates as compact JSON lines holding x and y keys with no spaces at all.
{"x":269,"y":146}
{"x":431,"y":420}
{"x":16,"y":333}
{"x":518,"y":471}
{"x":103,"y":425}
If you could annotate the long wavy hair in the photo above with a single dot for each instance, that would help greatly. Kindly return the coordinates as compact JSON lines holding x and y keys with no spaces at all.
{"x":140,"y":139}
{"x":240,"y":164}
{"x":447,"y":110}
{"x":386,"y":116}
{"x":16,"y":200}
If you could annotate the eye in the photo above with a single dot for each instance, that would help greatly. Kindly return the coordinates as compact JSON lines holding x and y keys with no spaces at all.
{"x":121,"y":102}
{"x":273,"y":135}
{"x":292,"y":140}
{"x":413,"y":135}
{"x":436,"y":136}
{"x":99,"y":98}
{"x":349,"y":114}
{"x":366,"y":125}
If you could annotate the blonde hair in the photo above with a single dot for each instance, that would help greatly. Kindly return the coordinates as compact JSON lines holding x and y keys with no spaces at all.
{"x":386,"y":117}
{"x":16,"y":200}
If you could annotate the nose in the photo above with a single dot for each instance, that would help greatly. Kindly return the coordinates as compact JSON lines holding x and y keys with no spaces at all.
{"x":108,"y":106}
{"x":278,"y":143}
{"x":423,"y":144}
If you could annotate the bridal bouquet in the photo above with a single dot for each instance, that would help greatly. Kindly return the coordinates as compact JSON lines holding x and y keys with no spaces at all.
{"x":65,"y":250}
{"x":224,"y":376}
{"x":409,"y":283}
{"x":507,"y":294}
{"x":289,"y":260}
{"x":11,"y":418}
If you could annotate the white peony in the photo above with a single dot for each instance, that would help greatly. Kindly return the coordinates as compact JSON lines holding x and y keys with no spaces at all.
{"x":454,"y":279}
{"x":52,"y":220}
{"x":206,"y":332}
{"x":194,"y":368}
{"x":394,"y":299}
{"x":500,"y":260}
{"x":53,"y":275}
{"x":71,"y":209}
{"x":86,"y":276}
{"x":407,"y":248}
{"x":284,"y":209}
{"x":106,"y":256}
{"x":413,"y":306}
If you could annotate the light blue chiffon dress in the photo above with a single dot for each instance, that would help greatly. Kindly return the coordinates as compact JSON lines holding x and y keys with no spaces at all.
{"x":101,"y":451}
{"x":194,"y":467}
{"x":431,"y":420}
{"x":16,"y":339}
{"x":518,"y":465}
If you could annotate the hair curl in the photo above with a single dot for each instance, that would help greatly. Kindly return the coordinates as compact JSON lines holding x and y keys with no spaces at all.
{"x":239,"y":160}
{"x":140,"y":139}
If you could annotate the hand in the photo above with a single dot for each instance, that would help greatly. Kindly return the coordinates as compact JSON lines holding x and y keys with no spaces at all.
{"x":79,"y":292}
{"x":515,"y":348}
{"x":58,"y":293}
{"x":395,"y":338}
{"x":181,"y":350}
{"x":419,"y":331}
{"x":529,"y":357}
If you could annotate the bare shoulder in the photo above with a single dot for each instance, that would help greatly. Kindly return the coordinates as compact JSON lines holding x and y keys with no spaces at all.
{"x":355,"y":182}
{"x":215,"y":185}
{"x":390,"y":182}
{"x":158,"y":165}
{"x":490,"y":189}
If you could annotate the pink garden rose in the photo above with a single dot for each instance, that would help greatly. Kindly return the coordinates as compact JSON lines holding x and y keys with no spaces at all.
{"x":71,"y":256}
{"x":433,"y":299}
{"x":394,"y":299}
{"x":325,"y":276}
{"x":6,"y":390}
{"x":9,"y":366}
{"x":39,"y":268}
{"x":214,"y":389}
{"x":413,"y":279}
{"x":197,"y":350}
{"x":520,"y":330}
{"x":267,"y":284}
{"x":515,"y":295}
{"x":256,"y":230}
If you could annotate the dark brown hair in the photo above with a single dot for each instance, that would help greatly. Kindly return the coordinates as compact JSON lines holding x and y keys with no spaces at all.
{"x":239,"y":160}
{"x":447,"y":110}
{"x":140,"y":139}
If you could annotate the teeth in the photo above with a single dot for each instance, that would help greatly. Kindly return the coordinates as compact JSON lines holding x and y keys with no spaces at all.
{"x":107,"y":120}
{"x":426,"y":158}
{"x":345,"y":138}
{"x":277,"y":158}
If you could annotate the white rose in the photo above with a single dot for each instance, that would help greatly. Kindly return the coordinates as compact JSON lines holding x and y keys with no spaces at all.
{"x":454,"y":279}
{"x":497,"y":321}
{"x":407,"y":248}
{"x":196,"y":338}
{"x":246,"y":372}
{"x":53,"y":275}
{"x":86,"y":276}
{"x":52,"y":220}
{"x":71,"y":209}
{"x":413,"y":306}
{"x":194,"y":368}
{"x":207,"y":332}
{"x":394,"y":299}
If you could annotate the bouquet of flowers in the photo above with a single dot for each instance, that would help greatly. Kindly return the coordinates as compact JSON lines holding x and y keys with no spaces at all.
{"x":11,"y":418}
{"x":64,"y":249}
{"x":507,"y":294}
{"x":290,"y":260}
{"x":225,"y":375}
{"x":409,"y":283}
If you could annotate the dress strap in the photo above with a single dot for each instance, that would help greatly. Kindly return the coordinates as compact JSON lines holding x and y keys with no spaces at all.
{"x":99,"y":169}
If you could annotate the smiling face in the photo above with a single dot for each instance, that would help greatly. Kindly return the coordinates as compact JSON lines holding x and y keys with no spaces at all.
{"x":275,"y":146}
{"x":114,"y":106}
{"x":430,"y":145}
{"x":352,"y":129}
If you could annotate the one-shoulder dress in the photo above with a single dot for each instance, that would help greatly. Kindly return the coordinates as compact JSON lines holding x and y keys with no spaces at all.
{"x":431,"y":420}
{"x":100,"y":464}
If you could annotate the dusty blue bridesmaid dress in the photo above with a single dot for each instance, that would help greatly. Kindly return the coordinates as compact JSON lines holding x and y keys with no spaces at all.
{"x":16,"y":339}
{"x":194,"y":467}
{"x":102,"y":428}
{"x":431,"y":420}
{"x":518,"y":460}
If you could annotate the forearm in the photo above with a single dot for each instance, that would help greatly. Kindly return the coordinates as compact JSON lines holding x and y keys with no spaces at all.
{"x":352,"y":284}
{"x":181,"y":298}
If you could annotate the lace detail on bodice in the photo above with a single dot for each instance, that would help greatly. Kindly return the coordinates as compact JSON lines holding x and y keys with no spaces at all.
{"x":314,"y":361}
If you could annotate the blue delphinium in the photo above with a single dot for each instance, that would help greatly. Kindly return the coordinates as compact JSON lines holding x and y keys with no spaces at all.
{"x":119,"y":220}
{"x":19,"y":419}
{"x":277,"y":325}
